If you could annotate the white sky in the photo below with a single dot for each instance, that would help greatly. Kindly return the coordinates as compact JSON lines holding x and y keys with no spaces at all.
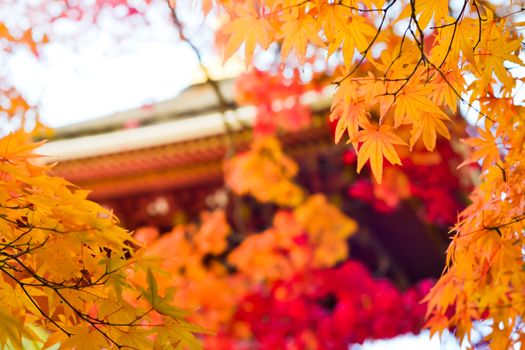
{"x":75,"y":86}
{"x":99,"y":76}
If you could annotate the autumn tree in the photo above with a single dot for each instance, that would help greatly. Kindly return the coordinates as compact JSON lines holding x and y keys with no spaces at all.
{"x":404,"y":69}
{"x":288,"y":285}
{"x":68,"y":270}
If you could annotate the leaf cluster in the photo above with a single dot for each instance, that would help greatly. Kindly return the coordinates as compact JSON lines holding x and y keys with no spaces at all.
{"x":65,"y":265}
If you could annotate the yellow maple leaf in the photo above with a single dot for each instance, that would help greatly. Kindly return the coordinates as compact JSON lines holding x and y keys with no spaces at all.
{"x":13,"y":331}
{"x":352,"y":33}
{"x":84,"y":338}
{"x":329,"y":19}
{"x":250,"y":29}
{"x":431,"y":9}
{"x":297,"y":32}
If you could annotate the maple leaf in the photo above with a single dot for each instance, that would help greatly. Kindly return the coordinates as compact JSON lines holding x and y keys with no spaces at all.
{"x":495,"y":53}
{"x":135,"y":338}
{"x":159,"y":303}
{"x":349,"y":116}
{"x":353,"y":32}
{"x":297,"y":33}
{"x":377,"y":142}
{"x":247,"y":28}
{"x":413,"y":101}
{"x":84,"y":338}
{"x":485,"y":147}
{"x":349,"y":109}
{"x":437,"y":323}
{"x":13,"y":331}
{"x":179,"y":336}
{"x":17,"y":147}
{"x":415,"y":80}
{"x":445,"y":89}
{"x":431,"y":9}
{"x":331,"y":19}
{"x":428,"y":124}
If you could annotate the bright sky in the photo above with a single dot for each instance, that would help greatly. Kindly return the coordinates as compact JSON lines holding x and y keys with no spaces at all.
{"x":75,"y":86}
{"x":100,"y":76}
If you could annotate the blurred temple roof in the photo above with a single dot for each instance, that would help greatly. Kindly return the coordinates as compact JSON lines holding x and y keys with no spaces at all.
{"x":166,"y":145}
{"x":162,"y":163}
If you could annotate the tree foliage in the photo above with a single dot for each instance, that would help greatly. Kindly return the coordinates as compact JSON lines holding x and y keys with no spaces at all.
{"x":405,"y":69}
{"x":290,"y":286}
{"x":66,"y":264}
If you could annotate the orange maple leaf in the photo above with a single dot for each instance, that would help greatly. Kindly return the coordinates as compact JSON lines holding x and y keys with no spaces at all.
{"x":485,"y":148}
{"x":377,"y":143}
{"x":428,"y":125}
